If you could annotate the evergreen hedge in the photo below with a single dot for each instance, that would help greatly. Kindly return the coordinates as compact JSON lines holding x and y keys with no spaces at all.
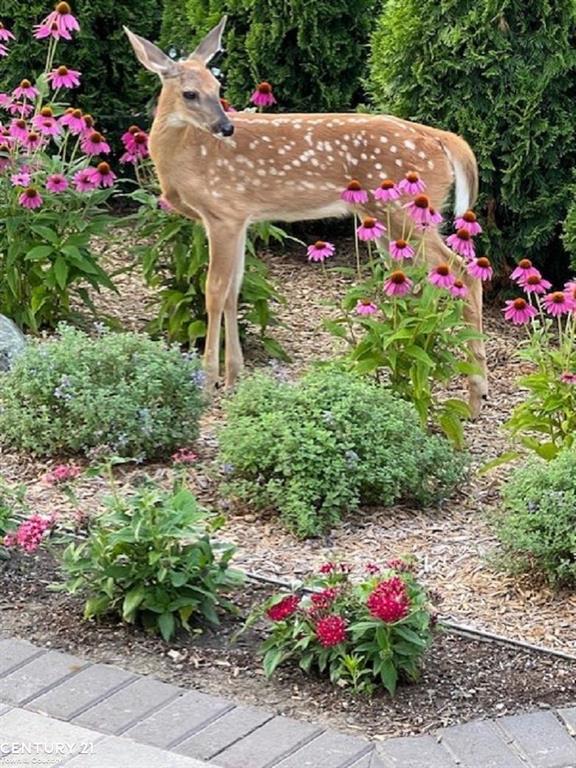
{"x":314,"y":54}
{"x":503,"y":74}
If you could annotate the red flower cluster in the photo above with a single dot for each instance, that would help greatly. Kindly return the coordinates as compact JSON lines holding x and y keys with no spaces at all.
{"x":331,"y":631}
{"x":284,"y":608}
{"x":323,"y":600}
{"x":397,"y":564}
{"x":63,"y":473}
{"x":389,"y":601}
{"x":184,"y":456}
{"x":30,"y":533}
{"x":327,"y":568}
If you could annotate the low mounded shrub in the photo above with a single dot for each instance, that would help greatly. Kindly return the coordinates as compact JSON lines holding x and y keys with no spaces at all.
{"x":150,"y":558}
{"x":538,"y":531}
{"x":361,"y":632}
{"x":125,"y":392}
{"x":327,"y":444}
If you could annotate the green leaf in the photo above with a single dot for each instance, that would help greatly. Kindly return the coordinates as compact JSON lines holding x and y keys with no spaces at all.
{"x":167,"y":625}
{"x":39,"y":252}
{"x":389,"y":676}
{"x":132,"y":601}
{"x":61,"y":271}
{"x":271,"y":660}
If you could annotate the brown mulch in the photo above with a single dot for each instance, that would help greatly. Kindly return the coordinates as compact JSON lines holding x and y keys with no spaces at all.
{"x":462,"y":679}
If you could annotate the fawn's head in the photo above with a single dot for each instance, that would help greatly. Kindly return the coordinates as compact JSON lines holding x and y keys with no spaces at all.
{"x":195,"y":92}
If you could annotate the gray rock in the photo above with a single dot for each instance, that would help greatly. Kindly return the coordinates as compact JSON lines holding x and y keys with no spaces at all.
{"x":12,"y":342}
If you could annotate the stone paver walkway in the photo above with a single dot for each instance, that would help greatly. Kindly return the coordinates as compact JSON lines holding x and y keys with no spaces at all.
{"x":59,"y":710}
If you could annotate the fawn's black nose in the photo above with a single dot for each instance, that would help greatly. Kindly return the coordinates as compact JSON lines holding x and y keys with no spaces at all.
{"x":226,"y":129}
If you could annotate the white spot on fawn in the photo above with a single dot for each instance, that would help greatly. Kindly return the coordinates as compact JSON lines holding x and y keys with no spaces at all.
{"x":409,"y":144}
{"x":393,"y":148}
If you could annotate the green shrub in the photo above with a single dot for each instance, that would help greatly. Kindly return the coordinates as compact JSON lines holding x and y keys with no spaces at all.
{"x":325,"y":445}
{"x":150,"y":559}
{"x":110,"y":72}
{"x":502,"y":74}
{"x":312,"y":70}
{"x":136,"y":396}
{"x":538,"y":529}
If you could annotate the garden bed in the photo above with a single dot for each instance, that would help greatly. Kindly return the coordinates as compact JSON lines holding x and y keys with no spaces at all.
{"x":462,"y":679}
{"x":455,"y":547}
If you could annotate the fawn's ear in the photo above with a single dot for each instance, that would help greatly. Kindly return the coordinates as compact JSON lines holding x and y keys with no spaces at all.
{"x":212,"y":43}
{"x":150,"y":56}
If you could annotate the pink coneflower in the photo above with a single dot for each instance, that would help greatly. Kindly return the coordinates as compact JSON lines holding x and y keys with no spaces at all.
{"x":46,"y":123}
{"x":5,"y":34}
{"x":458,"y":289}
{"x":370,"y":229}
{"x":226,"y":106}
{"x":127,"y":138}
{"x":568,"y":378}
{"x":19,"y":129}
{"x":103,"y":175}
{"x":263,"y":96}
{"x":60,"y":23}
{"x":461,"y":242}
{"x":411,"y":184}
{"x":5,"y":100}
{"x":518,"y":311}
{"x":535,"y":284}
{"x":139,"y":145}
{"x":400,"y":250}
{"x":94,"y":144}
{"x":398,"y":284}
{"x":480,"y":268}
{"x":441,"y":276}
{"x":20,"y":109}
{"x":62,"y":77}
{"x":366,"y":307}
{"x":354,"y":193}
{"x":33,"y":141}
{"x":570,"y":290}
{"x":21,"y":179}
{"x":524,"y":270}
{"x":468,"y":222}
{"x":435,"y":217}
{"x":387,"y":191}
{"x":557,"y":303}
{"x":320,"y":251}
{"x":84,"y":181}
{"x":30,"y":198}
{"x":56,"y":183}
{"x":88,"y":123}
{"x":128,"y":157}
{"x":165,"y":205}
{"x":72,"y":119}
{"x":419,"y":211}
{"x":25,"y":90}
{"x":3,"y":50}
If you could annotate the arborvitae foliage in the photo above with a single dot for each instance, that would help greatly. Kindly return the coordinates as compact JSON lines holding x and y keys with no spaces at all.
{"x":111,"y":76}
{"x":502,"y":74}
{"x":313,"y":53}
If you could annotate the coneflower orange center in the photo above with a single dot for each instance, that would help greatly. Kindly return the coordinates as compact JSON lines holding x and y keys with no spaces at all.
{"x":483,"y":262}
{"x":140,"y":138}
{"x":520,"y":304}
{"x":558,"y":297}
{"x":369,"y":223}
{"x":412,"y":177}
{"x":422,"y":201}
{"x":25,"y":84}
{"x":63,"y":9}
{"x":62,"y":70}
{"x":533,"y":280}
{"x":88,"y":120}
{"x":103,"y":168}
{"x":134,"y":129}
{"x":443,"y":270}
{"x":354,"y":186}
{"x":33,"y":136}
{"x":401,"y":243}
{"x":387,"y":184}
{"x":46,"y":112}
{"x":96,"y":137}
{"x":264,"y":88}
{"x":458,"y":284}
{"x":469,"y":216}
{"x":77,"y":113}
{"x":398,"y":277}
{"x":31,"y":192}
{"x":21,"y":123}
{"x":525,"y":264}
{"x":463,"y":234}
{"x":319,"y":244}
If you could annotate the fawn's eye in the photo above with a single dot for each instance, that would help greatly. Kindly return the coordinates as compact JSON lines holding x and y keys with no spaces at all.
{"x":190,"y":95}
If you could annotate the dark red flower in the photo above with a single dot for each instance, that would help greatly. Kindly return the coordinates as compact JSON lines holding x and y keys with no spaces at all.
{"x":389,"y":601}
{"x":397,"y":564}
{"x":327,"y":568}
{"x":372,"y":568}
{"x":325,"y":598}
{"x":331,"y":631}
{"x":284,"y":608}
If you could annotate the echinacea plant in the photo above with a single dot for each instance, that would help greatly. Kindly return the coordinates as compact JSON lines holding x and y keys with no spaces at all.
{"x":362,"y":630}
{"x":404,"y":321}
{"x":54,"y":185}
{"x":545,"y":420}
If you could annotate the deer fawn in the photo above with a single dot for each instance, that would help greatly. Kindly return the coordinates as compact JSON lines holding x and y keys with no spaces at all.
{"x":230,"y":171}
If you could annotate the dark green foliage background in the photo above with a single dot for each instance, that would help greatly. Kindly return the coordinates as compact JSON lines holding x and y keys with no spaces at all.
{"x":501,"y":73}
{"x":111,"y":77}
{"x":314,"y":54}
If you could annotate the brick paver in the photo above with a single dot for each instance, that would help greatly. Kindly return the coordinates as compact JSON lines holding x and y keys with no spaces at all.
{"x":479,"y":744}
{"x":227,"y":730}
{"x":37,"y":676}
{"x":82,"y":691}
{"x":179,"y":719}
{"x":542,"y":738}
{"x":415,"y":752}
{"x":128,"y":706}
{"x":268,"y":745}
{"x":130,"y":721}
